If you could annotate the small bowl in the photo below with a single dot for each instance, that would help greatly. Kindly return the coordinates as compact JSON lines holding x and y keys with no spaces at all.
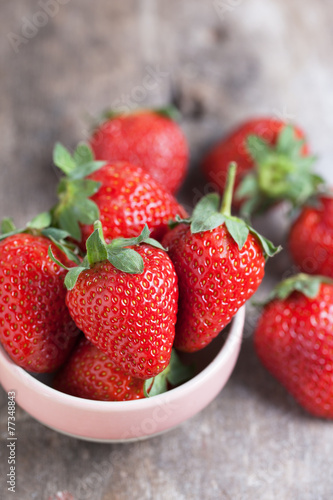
{"x":107,"y":421}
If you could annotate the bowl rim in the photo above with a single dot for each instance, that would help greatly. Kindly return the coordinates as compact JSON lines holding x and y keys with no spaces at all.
{"x":23,"y":377}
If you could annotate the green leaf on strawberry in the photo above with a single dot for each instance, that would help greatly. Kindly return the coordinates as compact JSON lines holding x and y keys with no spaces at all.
{"x":239,"y":230}
{"x":72,"y":275}
{"x":175,"y":373}
{"x":126,"y":260}
{"x":83,"y":154}
{"x":126,"y":242}
{"x":63,"y":159}
{"x":7,"y":226}
{"x":37,"y":224}
{"x":41,"y":221}
{"x":74,"y":190}
{"x":206,"y":214}
{"x":282,"y":172}
{"x":169,"y":111}
{"x":269,"y":248}
{"x":303,"y":283}
{"x":55,"y":233}
{"x":62,"y":245}
{"x":96,"y":247}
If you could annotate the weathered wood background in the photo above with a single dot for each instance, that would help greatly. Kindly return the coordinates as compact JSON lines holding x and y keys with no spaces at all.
{"x":222,"y":61}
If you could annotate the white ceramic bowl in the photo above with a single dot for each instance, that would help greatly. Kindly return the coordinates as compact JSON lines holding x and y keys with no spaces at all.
{"x":130,"y":420}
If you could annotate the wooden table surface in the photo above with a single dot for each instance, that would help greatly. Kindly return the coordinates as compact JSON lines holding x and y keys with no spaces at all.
{"x":221,"y":61}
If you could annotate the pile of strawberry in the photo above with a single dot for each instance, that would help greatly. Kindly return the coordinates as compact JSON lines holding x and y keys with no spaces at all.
{"x":107,"y":286}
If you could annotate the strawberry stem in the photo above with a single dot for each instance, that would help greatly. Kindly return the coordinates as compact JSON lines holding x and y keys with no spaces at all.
{"x":98,"y":226}
{"x":229,"y":189}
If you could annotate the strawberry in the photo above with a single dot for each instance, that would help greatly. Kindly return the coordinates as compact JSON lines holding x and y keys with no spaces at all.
{"x":294,"y":340}
{"x":125,"y":301}
{"x":121,"y":195}
{"x":220,"y":262}
{"x":36,"y":329}
{"x":90,"y":373}
{"x":273,"y":161}
{"x":311,"y":238}
{"x":128,"y":199}
{"x":146,"y":138}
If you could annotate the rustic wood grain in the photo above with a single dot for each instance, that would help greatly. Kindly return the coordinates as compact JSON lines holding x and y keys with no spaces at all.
{"x":221,"y":62}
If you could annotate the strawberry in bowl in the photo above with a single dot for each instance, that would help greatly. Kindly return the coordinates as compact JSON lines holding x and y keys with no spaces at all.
{"x":124,"y":297}
{"x":37,"y":330}
{"x":90,"y":373}
{"x":219,"y":260}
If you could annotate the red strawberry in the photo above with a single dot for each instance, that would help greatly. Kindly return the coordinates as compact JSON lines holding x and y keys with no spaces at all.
{"x":148,"y":139}
{"x":220,"y":262}
{"x":294,"y":341}
{"x":311,"y":238}
{"x":90,"y":373}
{"x":125,"y":301}
{"x":128,"y":199}
{"x":273,"y":164}
{"x":123,"y":196}
{"x":36,"y":329}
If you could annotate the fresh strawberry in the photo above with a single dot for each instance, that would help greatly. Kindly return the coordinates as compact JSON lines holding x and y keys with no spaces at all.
{"x":294,"y":340}
{"x":273,"y":162}
{"x":121,"y":195}
{"x":220,"y":262}
{"x":125,"y":301}
{"x":128,"y":199}
{"x":91,"y":374}
{"x":149,"y":139}
{"x":36,"y":329}
{"x":311,"y":238}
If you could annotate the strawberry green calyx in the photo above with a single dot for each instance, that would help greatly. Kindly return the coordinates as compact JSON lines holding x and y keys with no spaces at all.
{"x":209,"y":213}
{"x":303,"y":283}
{"x":169,"y":111}
{"x":282,"y":172}
{"x":117,"y":253}
{"x":75,"y":190}
{"x":175,"y":373}
{"x":7,"y":227}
